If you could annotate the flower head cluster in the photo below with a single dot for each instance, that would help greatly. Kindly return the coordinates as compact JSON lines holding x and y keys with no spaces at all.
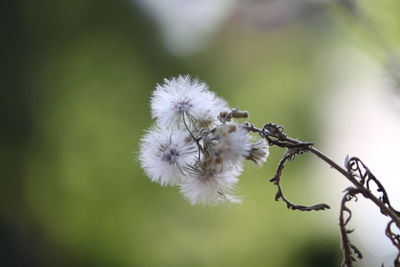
{"x":195,"y":144}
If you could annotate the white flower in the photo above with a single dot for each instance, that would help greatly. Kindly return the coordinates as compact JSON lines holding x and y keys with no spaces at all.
{"x":185,"y":100}
{"x":230,"y":143}
{"x":164,"y":154}
{"x":259,"y":152}
{"x":210,"y":185}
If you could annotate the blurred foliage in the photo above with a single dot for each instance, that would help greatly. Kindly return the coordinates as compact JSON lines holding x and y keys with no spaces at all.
{"x":77,"y":76}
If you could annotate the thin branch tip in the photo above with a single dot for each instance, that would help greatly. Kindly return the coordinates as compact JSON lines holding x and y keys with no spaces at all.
{"x":354,"y":171}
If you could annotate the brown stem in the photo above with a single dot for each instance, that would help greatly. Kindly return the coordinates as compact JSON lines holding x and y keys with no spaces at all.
{"x":355,"y":171}
{"x":367,"y":194}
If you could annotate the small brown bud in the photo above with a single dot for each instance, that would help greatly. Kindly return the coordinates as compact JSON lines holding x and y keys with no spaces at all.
{"x":223,"y":114}
{"x":240,"y":114}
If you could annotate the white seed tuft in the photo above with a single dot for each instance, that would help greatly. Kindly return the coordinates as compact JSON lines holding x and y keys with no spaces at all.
{"x":211,"y":185}
{"x":165,"y":153}
{"x":185,"y":100}
{"x":230,"y":143}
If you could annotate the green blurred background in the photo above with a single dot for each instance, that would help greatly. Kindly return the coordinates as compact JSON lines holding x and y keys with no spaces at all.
{"x":76,"y":78}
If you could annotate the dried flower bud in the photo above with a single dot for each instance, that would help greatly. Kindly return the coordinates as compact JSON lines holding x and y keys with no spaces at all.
{"x":231,"y":143}
{"x":259,"y":152}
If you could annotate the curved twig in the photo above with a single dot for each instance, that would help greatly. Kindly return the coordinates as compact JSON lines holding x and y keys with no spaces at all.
{"x":350,"y":252}
{"x":289,"y":155}
{"x":354,"y":170}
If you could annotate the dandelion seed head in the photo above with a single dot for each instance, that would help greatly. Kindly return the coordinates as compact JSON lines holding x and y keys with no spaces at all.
{"x":185,"y":98}
{"x":211,"y":187}
{"x":164,"y":154}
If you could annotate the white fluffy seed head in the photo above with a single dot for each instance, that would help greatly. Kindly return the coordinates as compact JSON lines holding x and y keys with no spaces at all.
{"x":211,"y":186}
{"x":165,"y":153}
{"x":230,"y":143}
{"x":184,"y":98}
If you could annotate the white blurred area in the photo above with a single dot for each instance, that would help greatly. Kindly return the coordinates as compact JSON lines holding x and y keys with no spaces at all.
{"x":360,"y":117}
{"x":187,"y":25}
